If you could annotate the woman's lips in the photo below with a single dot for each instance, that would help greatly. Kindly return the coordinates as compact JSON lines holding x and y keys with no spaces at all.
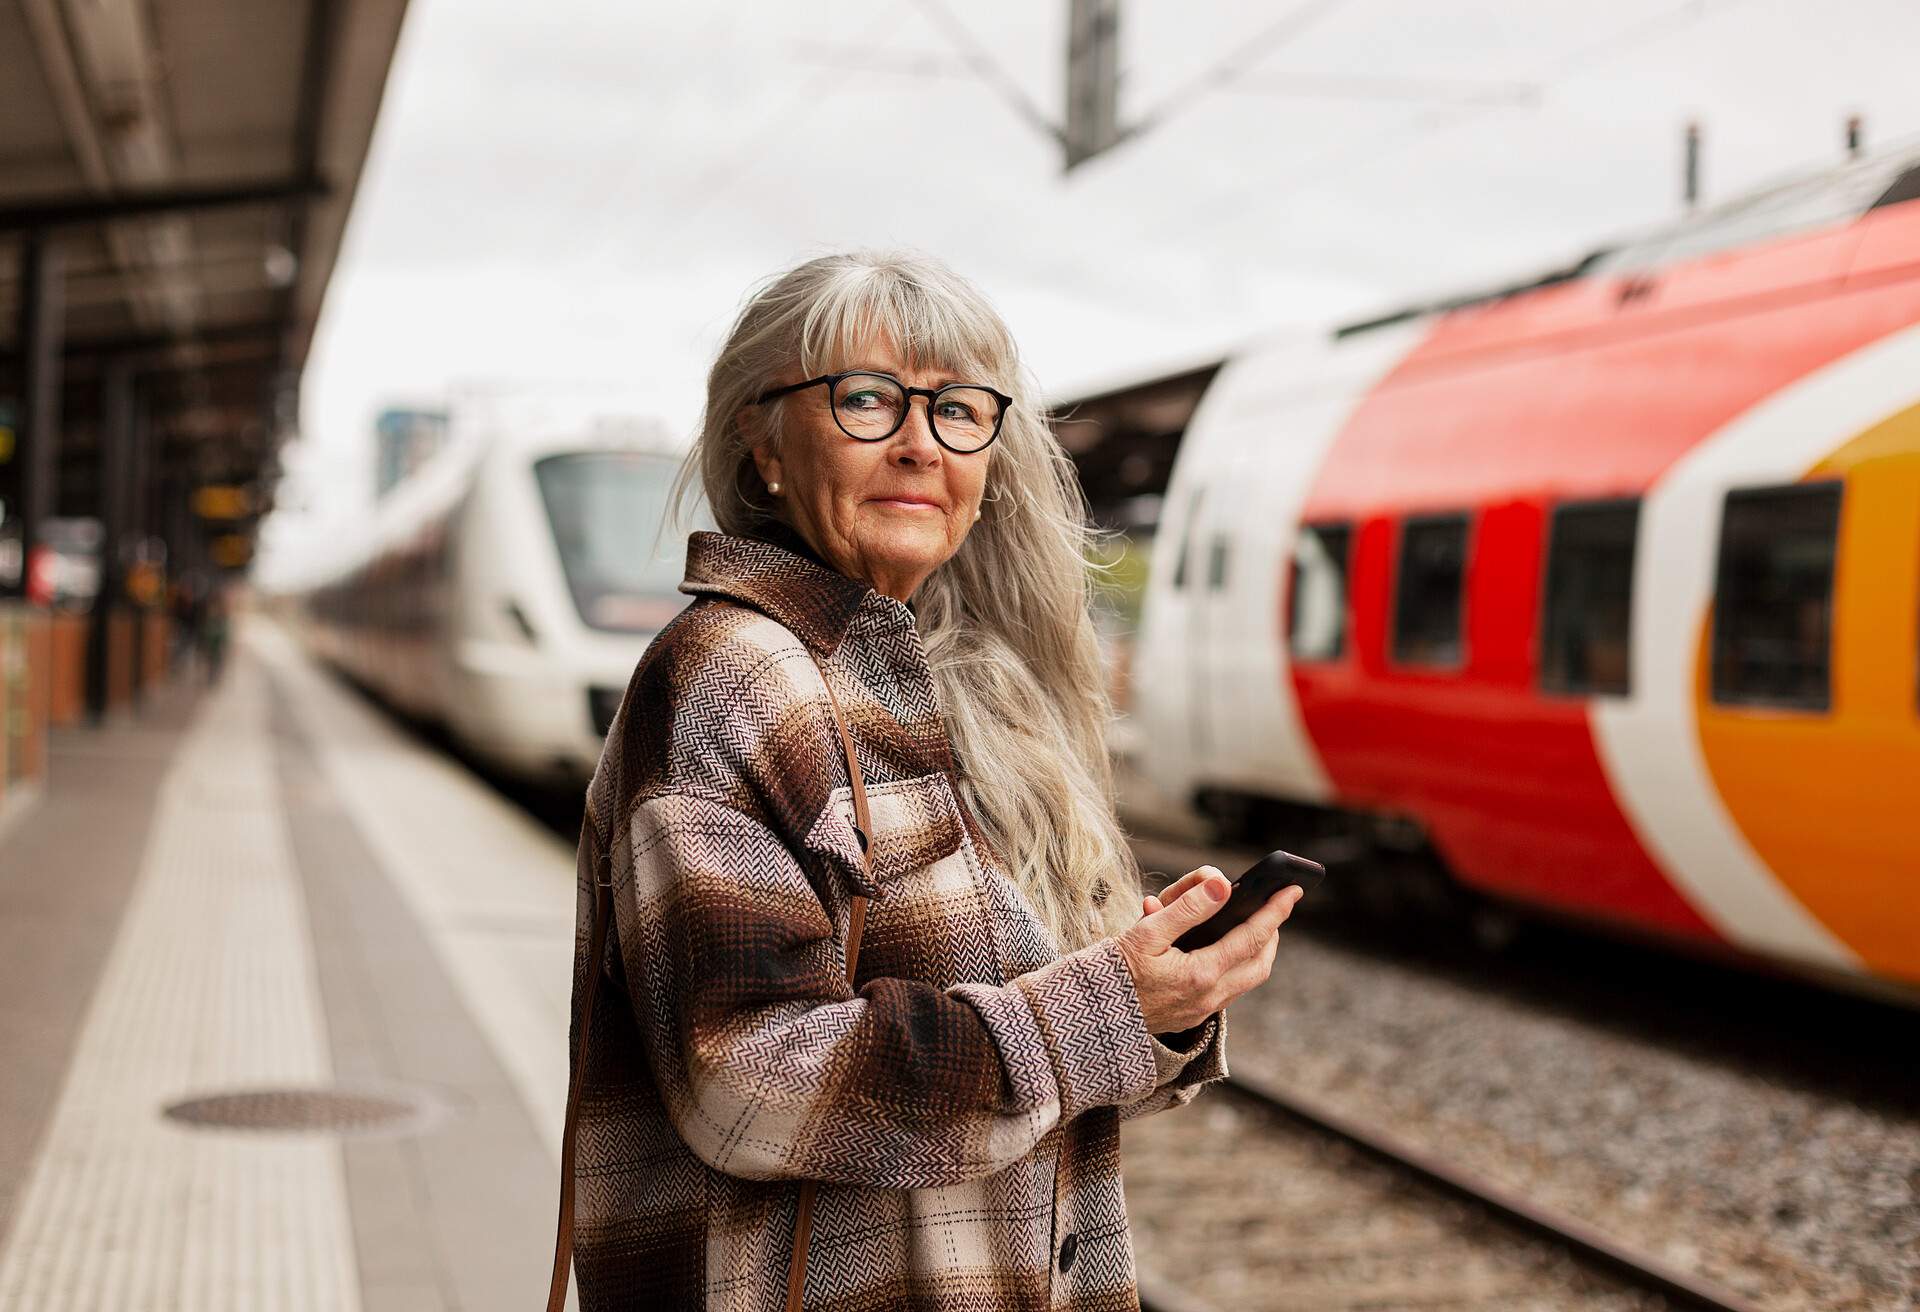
{"x":905,"y":504}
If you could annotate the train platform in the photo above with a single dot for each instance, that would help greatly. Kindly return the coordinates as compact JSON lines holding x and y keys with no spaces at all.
{"x":251,"y":944}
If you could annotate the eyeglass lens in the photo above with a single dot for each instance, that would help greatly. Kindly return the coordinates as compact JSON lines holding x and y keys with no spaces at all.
{"x":872,"y":406}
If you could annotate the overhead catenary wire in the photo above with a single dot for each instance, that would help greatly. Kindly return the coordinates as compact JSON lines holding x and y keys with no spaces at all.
{"x":989,"y":69}
{"x":1344,"y":159}
{"x":724,"y":172}
{"x":1237,"y":63}
{"x":1360,"y":86}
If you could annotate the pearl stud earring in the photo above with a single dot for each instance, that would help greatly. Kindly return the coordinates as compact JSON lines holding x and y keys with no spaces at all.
{"x":976,"y":514}
{"x":774,"y":488}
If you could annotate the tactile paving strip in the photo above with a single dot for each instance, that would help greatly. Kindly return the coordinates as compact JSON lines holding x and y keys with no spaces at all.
{"x":210,"y":985}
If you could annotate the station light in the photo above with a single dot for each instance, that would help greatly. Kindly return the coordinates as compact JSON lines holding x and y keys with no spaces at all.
{"x":231,"y":550}
{"x":218,"y":501}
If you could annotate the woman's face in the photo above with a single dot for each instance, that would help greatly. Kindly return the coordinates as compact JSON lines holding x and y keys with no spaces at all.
{"x":887,"y":512}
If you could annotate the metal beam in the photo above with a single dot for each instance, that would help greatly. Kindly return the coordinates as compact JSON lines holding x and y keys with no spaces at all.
{"x":316,"y":76}
{"x":37,"y":435}
{"x":79,"y":211}
{"x":227,"y":275}
{"x":164,"y":345}
{"x":111,"y":462}
{"x":62,"y":72}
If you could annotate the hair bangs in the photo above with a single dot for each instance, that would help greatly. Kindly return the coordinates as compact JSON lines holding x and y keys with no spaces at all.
{"x":931,"y":328}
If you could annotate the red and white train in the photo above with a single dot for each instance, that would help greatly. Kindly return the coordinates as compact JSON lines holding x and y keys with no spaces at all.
{"x":1604,"y":591}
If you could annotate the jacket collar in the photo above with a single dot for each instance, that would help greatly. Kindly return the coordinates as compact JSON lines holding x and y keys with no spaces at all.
{"x":776,"y":572}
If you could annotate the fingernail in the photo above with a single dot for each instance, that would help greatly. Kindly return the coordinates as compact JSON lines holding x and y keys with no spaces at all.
{"x":1218,"y":888}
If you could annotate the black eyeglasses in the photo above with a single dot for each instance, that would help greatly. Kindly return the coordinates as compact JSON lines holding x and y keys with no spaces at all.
{"x":870,"y":407}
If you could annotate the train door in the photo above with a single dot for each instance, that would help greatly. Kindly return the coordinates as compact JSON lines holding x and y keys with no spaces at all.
{"x":1179,"y":698}
{"x":1168,"y":685}
{"x":1213,"y":692}
{"x":1224,"y":699}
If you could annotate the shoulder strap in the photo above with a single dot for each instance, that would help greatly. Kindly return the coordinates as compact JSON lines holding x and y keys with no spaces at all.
{"x":596,"y":949}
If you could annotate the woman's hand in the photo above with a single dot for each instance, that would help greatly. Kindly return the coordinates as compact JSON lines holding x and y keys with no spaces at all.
{"x":1179,"y":989}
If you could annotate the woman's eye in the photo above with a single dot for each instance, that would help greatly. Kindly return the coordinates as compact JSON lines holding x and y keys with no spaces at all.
{"x":861,"y":400}
{"x":957,"y":411}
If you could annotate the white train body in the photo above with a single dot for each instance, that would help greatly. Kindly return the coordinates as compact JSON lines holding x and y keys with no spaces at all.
{"x":508,"y":591}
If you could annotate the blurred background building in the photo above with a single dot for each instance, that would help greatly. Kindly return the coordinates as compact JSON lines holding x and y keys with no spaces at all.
{"x":404,"y":440}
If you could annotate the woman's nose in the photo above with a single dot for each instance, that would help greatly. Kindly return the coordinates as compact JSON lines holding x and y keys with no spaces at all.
{"x":915,"y":440}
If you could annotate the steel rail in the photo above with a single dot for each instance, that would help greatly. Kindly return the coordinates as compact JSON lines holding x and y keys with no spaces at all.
{"x":1587,"y":1242}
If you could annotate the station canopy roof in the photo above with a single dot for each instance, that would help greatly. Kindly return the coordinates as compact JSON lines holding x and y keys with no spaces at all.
{"x":190,"y":164}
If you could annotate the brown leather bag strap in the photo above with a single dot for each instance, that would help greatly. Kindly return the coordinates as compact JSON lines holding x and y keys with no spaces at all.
{"x":596,"y":949}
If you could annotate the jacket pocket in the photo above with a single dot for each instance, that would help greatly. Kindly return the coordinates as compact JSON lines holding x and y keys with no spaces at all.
{"x":927,"y":920}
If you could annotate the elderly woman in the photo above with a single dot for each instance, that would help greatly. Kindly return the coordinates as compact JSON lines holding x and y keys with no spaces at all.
{"x":879,"y":989}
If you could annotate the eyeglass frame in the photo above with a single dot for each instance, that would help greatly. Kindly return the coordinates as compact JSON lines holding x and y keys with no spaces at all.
{"x":931,"y":393}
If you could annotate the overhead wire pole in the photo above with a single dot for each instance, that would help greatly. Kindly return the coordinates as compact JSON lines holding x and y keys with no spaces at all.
{"x":1092,"y":123}
{"x":1690,"y":182}
{"x":1093,"y":79}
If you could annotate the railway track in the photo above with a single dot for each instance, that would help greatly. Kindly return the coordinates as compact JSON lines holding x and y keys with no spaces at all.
{"x":1385,"y":1246}
{"x":1405,"y":1264}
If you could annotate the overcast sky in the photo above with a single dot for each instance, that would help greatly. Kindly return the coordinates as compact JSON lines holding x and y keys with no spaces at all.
{"x":568,"y":201}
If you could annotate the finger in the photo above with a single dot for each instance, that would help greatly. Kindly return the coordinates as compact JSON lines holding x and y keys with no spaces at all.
{"x":1176,"y":917}
{"x":1248,"y":975}
{"x":1246,"y":938}
{"x":1182,"y":884}
{"x":1149,"y":904}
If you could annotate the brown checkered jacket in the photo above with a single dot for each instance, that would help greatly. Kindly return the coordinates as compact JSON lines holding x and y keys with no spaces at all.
{"x":961,"y":1108}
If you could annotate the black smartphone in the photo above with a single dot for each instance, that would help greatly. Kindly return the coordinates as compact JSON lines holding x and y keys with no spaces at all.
{"x":1251,"y":889}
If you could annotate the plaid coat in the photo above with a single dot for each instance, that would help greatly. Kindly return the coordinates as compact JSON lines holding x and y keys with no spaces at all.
{"x":961,"y":1109}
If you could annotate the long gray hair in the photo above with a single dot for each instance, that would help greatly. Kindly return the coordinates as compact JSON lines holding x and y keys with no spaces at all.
{"x":1005,"y":622}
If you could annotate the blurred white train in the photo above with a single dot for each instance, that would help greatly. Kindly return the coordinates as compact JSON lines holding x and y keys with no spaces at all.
{"x":507,"y":591}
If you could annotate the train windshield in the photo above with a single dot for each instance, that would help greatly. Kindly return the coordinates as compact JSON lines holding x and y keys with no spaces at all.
{"x":606,"y":510}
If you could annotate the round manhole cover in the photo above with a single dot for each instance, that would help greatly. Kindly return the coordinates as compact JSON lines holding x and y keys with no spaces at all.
{"x":339,"y":1111}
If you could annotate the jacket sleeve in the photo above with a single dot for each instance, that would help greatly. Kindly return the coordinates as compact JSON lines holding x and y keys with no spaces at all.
{"x":1196,"y":1059}
{"x":771,"y":1067}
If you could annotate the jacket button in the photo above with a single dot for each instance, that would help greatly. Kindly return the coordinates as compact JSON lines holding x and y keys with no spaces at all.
{"x":1068,"y":1247}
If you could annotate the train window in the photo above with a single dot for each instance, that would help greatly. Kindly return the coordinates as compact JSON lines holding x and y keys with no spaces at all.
{"x":1773,"y":597}
{"x":1317,"y":592}
{"x":1428,"y":600}
{"x":605,"y":510}
{"x":1906,"y":187}
{"x":1188,"y":531}
{"x":1217,"y":563}
{"x":1587,"y":618}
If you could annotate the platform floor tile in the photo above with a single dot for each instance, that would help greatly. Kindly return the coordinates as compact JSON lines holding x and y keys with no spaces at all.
{"x":210,"y":987}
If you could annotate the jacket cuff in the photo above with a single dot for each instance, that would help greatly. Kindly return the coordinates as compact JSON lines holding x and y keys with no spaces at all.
{"x":1200,"y":1058}
{"x":1095,"y":1033}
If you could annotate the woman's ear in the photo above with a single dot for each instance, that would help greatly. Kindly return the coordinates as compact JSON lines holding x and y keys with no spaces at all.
{"x":751,"y":428}
{"x":767,"y":463}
